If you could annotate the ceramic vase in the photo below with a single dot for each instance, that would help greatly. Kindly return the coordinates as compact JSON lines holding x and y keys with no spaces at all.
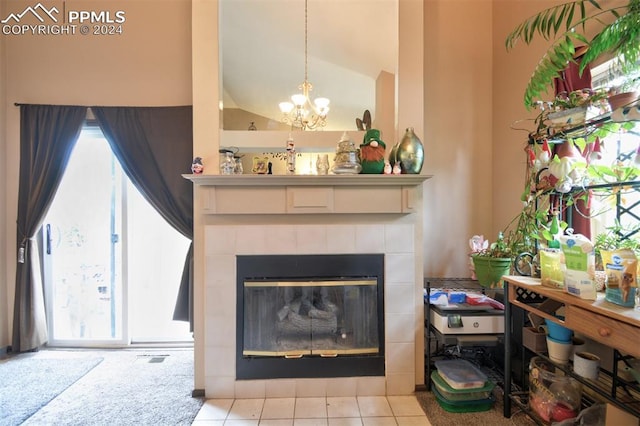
{"x":409,"y":153}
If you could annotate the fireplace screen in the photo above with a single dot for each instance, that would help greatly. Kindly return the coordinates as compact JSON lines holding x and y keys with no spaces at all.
{"x":310,"y":316}
{"x":324,"y":317}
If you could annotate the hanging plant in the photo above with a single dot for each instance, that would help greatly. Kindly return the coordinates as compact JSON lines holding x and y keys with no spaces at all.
{"x":566,"y":24}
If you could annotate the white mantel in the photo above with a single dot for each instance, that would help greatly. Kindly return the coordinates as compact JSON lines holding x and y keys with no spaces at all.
{"x":332,"y":214}
{"x":307,"y":180}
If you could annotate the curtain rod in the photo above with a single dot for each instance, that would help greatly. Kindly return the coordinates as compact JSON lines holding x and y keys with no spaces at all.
{"x":24,"y":103}
{"x":108,"y":106}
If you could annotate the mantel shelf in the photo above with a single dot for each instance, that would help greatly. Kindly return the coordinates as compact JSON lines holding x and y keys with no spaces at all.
{"x":307,"y":180}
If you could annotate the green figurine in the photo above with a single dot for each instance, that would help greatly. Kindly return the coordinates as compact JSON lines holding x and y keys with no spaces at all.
{"x":372,"y":153}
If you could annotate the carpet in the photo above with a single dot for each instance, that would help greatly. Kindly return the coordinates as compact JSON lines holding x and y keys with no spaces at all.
{"x":29,"y":381}
{"x":130,"y":387}
{"x":438,"y":416}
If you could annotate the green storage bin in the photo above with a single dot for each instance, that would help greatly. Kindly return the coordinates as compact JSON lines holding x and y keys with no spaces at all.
{"x":463,"y":406}
{"x":453,"y":395}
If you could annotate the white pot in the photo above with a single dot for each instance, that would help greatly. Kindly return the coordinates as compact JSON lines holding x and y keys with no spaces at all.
{"x":586,"y":364}
{"x":573,"y":116}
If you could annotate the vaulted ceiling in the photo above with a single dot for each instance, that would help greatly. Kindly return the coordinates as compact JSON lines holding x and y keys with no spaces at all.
{"x":349,"y":43}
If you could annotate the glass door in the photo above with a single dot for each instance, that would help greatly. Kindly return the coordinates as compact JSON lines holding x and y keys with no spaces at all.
{"x":84,"y":286}
{"x":112,"y":264}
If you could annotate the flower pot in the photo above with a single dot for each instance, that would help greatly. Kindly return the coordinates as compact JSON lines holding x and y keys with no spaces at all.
{"x":490,"y":270}
{"x":573,"y":116}
{"x":621,"y":100}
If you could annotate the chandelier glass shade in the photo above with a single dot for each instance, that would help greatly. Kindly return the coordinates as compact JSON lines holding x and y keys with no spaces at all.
{"x":301,"y":113}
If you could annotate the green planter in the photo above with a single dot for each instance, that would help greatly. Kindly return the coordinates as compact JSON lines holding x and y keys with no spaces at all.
{"x":490,"y":270}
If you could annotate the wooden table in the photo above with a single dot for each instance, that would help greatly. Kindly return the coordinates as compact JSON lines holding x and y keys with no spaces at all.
{"x":604,"y":322}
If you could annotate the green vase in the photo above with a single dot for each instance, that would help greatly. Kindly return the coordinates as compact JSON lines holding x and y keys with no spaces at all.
{"x":490,"y":270}
{"x":409,"y":152}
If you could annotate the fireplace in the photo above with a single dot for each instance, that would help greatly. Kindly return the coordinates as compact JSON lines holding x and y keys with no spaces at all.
{"x":304,"y":219}
{"x":310,"y":316}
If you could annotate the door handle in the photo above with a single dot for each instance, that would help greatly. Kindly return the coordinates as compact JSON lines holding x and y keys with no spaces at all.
{"x":48,"y":236}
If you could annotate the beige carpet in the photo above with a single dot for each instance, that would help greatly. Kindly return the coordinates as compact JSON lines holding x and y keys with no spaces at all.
{"x":439,"y":417}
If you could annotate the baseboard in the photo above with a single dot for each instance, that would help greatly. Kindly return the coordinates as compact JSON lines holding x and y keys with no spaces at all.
{"x":421,"y":388}
{"x":197,"y":393}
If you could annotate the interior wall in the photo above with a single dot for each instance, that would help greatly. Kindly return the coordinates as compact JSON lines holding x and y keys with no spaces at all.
{"x":458,"y":132}
{"x":206,"y":140}
{"x":149,"y":64}
{"x":4,"y":223}
{"x":511,"y":73}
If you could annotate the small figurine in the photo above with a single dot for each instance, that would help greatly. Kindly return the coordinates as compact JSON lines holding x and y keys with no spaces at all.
{"x":396,"y":169}
{"x":372,"y":152}
{"x":365,"y":123}
{"x":196,"y":166}
{"x":387,"y":168}
{"x":322,"y":164}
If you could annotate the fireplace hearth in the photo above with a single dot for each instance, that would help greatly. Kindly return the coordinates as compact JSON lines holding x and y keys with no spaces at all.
{"x":310,"y":316}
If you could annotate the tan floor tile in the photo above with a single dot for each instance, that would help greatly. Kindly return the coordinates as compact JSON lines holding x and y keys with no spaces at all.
{"x":278,"y":408}
{"x":310,"y":422}
{"x":241,"y":422}
{"x":342,"y":407}
{"x":345,"y":421}
{"x":214,"y":409}
{"x":374,"y":406}
{"x":311,"y":408}
{"x":405,"y":406}
{"x":276,"y":422}
{"x":379,"y":421}
{"x":246,"y":409}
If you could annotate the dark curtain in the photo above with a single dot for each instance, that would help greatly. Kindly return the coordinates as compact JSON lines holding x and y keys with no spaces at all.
{"x":570,"y":81}
{"x":48,"y":134}
{"x":154,"y":146}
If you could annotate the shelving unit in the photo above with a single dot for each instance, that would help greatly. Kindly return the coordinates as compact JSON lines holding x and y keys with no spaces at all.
{"x":623,"y":323}
{"x":611,"y":325}
{"x":450,"y":340}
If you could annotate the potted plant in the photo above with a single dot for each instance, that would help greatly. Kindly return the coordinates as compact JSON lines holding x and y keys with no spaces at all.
{"x":623,"y":81}
{"x":575,"y":108}
{"x":569,"y":25}
{"x":491,"y":261}
{"x":614,"y":238}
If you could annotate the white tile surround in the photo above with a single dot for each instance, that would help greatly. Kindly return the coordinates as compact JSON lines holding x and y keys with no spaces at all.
{"x":396,"y":235}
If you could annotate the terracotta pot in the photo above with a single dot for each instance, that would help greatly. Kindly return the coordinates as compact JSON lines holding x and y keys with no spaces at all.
{"x":567,"y":149}
{"x":622,"y":99}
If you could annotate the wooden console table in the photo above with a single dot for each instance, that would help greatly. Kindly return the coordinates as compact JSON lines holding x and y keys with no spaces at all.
{"x":604,"y":322}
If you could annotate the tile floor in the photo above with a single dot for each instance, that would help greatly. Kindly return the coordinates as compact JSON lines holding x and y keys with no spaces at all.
{"x":329,"y":411}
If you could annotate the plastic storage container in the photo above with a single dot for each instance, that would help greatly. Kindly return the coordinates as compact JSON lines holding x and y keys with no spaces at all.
{"x":461,"y":374}
{"x":463,"y":406}
{"x":455,"y":395}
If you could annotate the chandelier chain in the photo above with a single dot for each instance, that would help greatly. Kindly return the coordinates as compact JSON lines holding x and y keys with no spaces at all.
{"x":302,"y":113}
{"x":306,"y":65}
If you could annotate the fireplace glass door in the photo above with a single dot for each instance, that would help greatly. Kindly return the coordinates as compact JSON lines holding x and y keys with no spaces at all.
{"x":327,"y":318}
{"x":308,"y":316}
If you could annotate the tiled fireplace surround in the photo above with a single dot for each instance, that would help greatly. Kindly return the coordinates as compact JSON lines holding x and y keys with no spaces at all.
{"x":247,"y":214}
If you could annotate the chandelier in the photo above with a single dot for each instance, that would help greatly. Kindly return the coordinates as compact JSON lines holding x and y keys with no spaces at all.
{"x":301,"y":112}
